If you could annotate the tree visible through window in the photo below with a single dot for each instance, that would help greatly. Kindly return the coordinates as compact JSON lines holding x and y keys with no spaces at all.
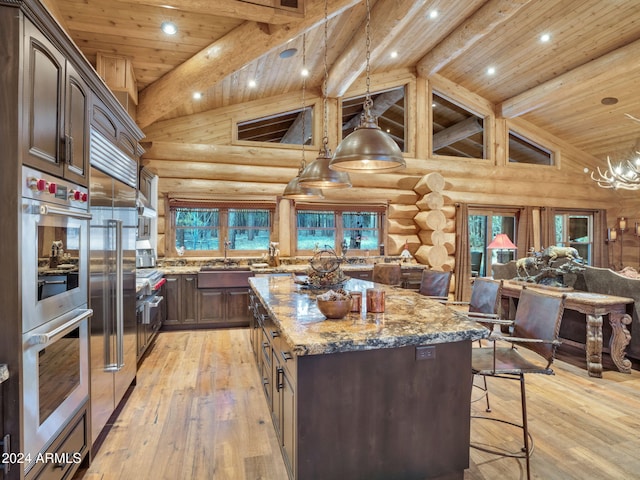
{"x":205,"y":230}
{"x":356,"y":230}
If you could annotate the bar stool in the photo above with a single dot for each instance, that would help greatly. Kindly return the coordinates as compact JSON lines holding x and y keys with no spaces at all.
{"x":435,"y":284}
{"x":536,"y":328}
{"x":387,"y":273}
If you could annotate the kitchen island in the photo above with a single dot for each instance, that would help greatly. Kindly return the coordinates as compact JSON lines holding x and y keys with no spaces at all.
{"x":370,"y":396}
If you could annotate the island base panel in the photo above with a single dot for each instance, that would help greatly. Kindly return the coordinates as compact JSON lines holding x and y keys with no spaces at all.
{"x":381,"y":414}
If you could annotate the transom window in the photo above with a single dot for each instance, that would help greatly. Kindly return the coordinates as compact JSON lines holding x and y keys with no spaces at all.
{"x":205,"y":229}
{"x":357,"y":230}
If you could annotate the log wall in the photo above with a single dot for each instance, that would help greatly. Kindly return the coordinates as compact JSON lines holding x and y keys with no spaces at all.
{"x":196,"y":155}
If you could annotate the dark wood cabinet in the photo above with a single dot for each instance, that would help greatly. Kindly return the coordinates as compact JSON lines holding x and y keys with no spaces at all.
{"x":190,"y":301}
{"x":211,"y":305}
{"x":277,"y":369}
{"x":56,"y":106}
{"x":181,"y":299}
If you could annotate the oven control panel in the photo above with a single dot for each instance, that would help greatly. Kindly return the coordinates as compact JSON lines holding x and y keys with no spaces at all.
{"x":41,"y":186}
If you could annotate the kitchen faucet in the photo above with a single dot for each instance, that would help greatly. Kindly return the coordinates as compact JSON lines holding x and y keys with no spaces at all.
{"x":227,"y":244}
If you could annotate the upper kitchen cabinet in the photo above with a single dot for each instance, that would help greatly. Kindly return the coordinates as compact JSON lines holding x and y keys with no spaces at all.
{"x":56,"y":106}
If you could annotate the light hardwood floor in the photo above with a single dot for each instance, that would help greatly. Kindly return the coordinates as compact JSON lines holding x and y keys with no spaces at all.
{"x":198,"y":412}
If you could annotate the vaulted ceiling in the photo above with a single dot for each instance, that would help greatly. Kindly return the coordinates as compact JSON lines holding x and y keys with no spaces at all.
{"x":593,"y":53}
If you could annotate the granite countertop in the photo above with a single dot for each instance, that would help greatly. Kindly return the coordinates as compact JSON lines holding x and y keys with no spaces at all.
{"x":191,"y":269}
{"x":409,"y":319}
{"x":4,"y":373}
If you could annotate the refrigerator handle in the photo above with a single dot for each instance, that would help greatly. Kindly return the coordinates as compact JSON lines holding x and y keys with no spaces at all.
{"x":119,"y":295}
{"x":110,"y":364}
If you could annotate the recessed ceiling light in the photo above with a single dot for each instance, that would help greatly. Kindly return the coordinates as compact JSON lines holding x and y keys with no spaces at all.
{"x":545,"y":37}
{"x":433,"y":14}
{"x":197,"y":95}
{"x":169,"y":28}
{"x":252,"y":84}
{"x":289,"y":52}
{"x":394,"y":54}
{"x":609,"y":101}
{"x":491,"y":70}
{"x":304,"y":72}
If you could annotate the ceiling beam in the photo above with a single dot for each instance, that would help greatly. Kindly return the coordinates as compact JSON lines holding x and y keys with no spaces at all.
{"x":388,"y":19}
{"x":227,"y":8}
{"x":473,"y":29}
{"x":380,"y":105}
{"x":238,"y":48}
{"x":589,"y":76}
{"x":456,"y":132}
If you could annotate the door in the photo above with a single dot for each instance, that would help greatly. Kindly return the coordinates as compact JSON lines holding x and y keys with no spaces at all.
{"x":43,"y":102}
{"x":102,"y":290}
{"x":76,"y":135}
{"x":126,"y":214}
{"x":484,"y":225}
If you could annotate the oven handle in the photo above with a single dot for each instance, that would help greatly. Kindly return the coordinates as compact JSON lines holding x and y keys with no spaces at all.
{"x":157,"y":300}
{"x":61,"y":331}
{"x":51,"y":210}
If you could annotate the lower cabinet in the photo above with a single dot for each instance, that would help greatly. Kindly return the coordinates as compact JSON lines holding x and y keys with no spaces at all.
{"x":192,"y":302}
{"x":181,"y":300}
{"x":277,"y":369}
{"x":66,"y":453}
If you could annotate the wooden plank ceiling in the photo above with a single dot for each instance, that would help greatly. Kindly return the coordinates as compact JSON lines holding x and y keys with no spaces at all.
{"x":221,"y":45}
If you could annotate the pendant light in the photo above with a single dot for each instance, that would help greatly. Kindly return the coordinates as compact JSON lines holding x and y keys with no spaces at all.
{"x":318,"y":174}
{"x":293,"y":190}
{"x":368,"y":149}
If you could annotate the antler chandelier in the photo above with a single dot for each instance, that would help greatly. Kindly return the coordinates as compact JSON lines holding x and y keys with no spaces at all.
{"x":624,"y":175}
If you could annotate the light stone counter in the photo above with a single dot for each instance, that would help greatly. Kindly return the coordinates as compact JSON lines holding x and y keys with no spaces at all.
{"x":409,"y":319}
{"x":190,"y":269}
{"x":4,"y":373}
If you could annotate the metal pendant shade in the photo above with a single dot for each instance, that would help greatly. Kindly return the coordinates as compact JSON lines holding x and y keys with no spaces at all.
{"x":318,"y":174}
{"x":295,"y":191}
{"x":368,"y":150}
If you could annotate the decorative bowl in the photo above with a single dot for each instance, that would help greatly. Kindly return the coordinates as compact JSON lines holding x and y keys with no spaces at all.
{"x":334,"y":308}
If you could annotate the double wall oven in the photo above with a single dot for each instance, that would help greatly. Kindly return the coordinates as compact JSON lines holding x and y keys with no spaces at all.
{"x":55,"y":313}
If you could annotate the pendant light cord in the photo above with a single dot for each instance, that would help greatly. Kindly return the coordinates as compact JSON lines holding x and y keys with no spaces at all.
{"x":304,"y":84}
{"x":325,"y":108}
{"x":368,"y":103}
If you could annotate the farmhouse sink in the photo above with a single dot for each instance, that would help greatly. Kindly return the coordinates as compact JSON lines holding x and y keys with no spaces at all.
{"x":223,"y":278}
{"x":225,"y":267}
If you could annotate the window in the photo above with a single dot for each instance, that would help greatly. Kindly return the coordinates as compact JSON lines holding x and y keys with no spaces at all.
{"x":388,"y":107}
{"x":286,"y":128}
{"x":355,"y":229}
{"x":457,"y":131}
{"x":523,"y":150}
{"x":484,"y":225}
{"x":575,"y":230}
{"x":202,"y":229}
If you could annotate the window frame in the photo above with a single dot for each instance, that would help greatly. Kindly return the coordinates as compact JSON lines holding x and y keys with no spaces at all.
{"x":223,"y":228}
{"x":565,"y":240}
{"x":338,"y":211}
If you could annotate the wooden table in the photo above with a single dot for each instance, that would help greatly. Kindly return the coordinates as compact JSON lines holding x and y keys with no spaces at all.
{"x":594,"y":306}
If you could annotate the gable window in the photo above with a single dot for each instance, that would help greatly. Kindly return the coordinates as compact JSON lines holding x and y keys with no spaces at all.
{"x":285,"y":128}
{"x":388,"y":107}
{"x":358,"y":228}
{"x":523,"y":150}
{"x":457,"y":131}
{"x":202,"y":228}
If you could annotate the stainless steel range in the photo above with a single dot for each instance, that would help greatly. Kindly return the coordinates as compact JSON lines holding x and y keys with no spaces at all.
{"x":149,"y":302}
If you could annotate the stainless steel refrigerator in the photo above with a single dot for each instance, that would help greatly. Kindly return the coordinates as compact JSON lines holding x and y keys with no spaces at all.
{"x":112,"y":279}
